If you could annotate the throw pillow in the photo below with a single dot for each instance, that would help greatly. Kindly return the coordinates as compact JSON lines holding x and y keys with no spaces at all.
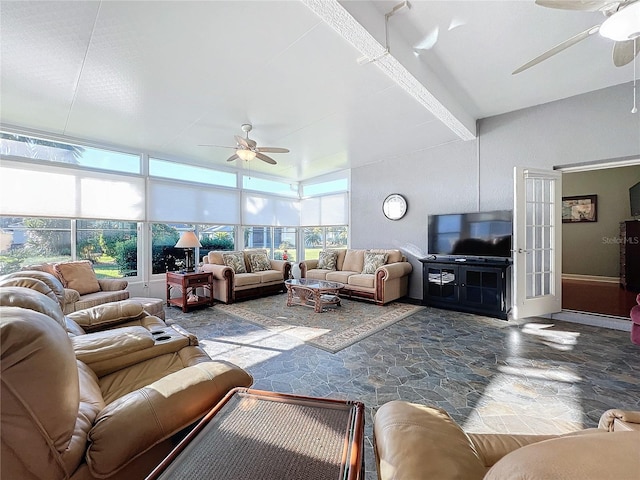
{"x":78,"y":276}
{"x":235,"y":261}
{"x":373,"y":261}
{"x":259,"y":262}
{"x":327,"y":260}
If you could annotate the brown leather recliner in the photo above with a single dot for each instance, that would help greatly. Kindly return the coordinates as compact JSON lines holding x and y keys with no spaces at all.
{"x":417,"y":442}
{"x":63,"y":419}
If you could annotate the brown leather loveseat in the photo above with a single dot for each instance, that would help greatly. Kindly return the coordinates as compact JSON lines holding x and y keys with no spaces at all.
{"x":90,"y":406}
{"x":416,"y":442}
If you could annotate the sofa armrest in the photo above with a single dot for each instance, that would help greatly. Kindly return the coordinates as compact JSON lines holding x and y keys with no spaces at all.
{"x":71,"y":296}
{"x":111,"y":344}
{"x":112,"y":284}
{"x":281,"y":266}
{"x":220,"y":272}
{"x":418,"y":442}
{"x":134,"y":423}
{"x":307,"y":265}
{"x":108,"y":314}
{"x":619,"y":420}
{"x":394,"y":270}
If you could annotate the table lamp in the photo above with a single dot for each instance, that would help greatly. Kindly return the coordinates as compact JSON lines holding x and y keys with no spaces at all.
{"x":188,"y":240}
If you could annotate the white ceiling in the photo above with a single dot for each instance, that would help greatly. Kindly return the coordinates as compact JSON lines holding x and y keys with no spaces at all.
{"x":164,"y":77}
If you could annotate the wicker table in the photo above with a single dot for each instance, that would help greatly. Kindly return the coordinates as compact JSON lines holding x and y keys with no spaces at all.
{"x":252,"y":434}
{"x":313,"y":293}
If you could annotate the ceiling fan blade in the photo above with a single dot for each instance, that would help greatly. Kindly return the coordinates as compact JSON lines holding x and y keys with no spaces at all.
{"x":558,"y":48}
{"x":212,"y":145}
{"x":241,"y":141}
{"x":624,"y":52}
{"x":252,"y":143}
{"x":233,"y":157}
{"x":273,"y":150}
{"x":585,"y":5}
{"x":264,"y":158}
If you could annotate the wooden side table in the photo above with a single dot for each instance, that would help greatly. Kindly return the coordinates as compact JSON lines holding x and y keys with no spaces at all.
{"x":188,"y":283}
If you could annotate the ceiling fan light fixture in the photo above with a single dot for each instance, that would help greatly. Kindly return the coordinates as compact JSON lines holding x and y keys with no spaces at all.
{"x":623,"y":25}
{"x":246,"y":155}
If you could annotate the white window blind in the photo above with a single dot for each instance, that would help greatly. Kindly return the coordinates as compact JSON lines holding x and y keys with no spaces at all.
{"x":180,"y":202}
{"x":51,"y":191}
{"x":267,"y":210}
{"x":325,"y":210}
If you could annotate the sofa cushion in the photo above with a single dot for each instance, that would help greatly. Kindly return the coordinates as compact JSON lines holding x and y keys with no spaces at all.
{"x":317,"y":274}
{"x":244,"y":279}
{"x":338,"y":276}
{"x":362,"y":280}
{"x":373,"y":261}
{"x":270,"y":276}
{"x":259,"y":262}
{"x":327,"y":260}
{"x":235,"y":261}
{"x":78,"y":276}
{"x":353,"y":261}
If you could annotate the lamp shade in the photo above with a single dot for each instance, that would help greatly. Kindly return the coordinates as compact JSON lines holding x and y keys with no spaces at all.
{"x":246,"y":154}
{"x":623,"y":25}
{"x":188,"y":240}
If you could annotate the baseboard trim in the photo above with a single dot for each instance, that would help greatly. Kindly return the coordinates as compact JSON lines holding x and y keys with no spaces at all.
{"x":589,"y":278}
{"x":593,"y":319}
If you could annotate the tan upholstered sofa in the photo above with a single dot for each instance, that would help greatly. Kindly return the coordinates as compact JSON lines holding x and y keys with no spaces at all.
{"x":82,"y":288}
{"x":98,"y":405}
{"x":236,"y":278}
{"x":384,"y":279}
{"x":416,"y":442}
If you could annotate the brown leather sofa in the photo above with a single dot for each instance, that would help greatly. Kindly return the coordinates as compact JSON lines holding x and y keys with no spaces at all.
{"x":109,"y":404}
{"x":416,"y":442}
{"x":386,"y":283}
{"x":231,"y":283}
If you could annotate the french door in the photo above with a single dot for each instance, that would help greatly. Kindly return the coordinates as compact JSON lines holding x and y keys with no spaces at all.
{"x":537,"y":241}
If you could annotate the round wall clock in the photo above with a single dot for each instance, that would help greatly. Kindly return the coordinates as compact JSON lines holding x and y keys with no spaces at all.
{"x":394,"y":206}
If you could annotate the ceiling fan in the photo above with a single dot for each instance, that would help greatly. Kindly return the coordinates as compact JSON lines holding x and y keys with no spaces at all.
{"x":247,"y":149}
{"x":622,"y":25}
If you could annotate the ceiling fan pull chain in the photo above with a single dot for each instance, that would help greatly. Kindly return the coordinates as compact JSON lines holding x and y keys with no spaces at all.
{"x":635,"y":61}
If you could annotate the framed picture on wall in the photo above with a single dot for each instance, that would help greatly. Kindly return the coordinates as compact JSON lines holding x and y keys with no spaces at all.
{"x":580,"y":208}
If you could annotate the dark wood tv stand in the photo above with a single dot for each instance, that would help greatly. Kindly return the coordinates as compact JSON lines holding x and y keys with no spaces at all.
{"x":468,"y":284}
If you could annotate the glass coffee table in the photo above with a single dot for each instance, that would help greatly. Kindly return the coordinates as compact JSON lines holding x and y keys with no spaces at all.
{"x":313,"y":293}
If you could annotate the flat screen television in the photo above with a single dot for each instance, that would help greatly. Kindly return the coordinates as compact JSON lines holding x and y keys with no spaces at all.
{"x":634,"y":200}
{"x":482,"y":234}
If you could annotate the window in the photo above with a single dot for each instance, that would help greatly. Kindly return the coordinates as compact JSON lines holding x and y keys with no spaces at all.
{"x":191,"y":173}
{"x":216,"y":237}
{"x":166,"y":258}
{"x":270,"y":186}
{"x":111,"y":246}
{"x":280,"y":242}
{"x":23,"y":146}
{"x":319,"y":238}
{"x":339,"y":185}
{"x":30,"y":241}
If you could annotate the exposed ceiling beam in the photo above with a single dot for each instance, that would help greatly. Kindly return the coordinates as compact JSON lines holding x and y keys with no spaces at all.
{"x":342,"y":21}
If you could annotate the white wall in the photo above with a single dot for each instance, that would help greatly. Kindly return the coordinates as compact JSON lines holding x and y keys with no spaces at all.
{"x":467,"y":176}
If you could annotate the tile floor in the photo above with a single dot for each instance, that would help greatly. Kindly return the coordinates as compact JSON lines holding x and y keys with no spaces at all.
{"x":533,"y":376}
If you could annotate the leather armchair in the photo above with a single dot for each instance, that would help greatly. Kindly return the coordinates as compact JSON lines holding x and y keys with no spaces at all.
{"x":416,"y":442}
{"x":123,"y":313}
{"x":62,"y":418}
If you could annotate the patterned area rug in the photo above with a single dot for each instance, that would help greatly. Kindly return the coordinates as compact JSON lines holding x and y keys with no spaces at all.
{"x":332,"y":330}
